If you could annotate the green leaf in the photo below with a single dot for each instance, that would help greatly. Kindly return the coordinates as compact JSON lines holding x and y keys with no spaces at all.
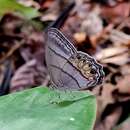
{"x":44,"y":109}
{"x":9,"y":6}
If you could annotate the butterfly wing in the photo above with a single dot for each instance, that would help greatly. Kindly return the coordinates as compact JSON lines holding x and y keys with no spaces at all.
{"x":63,"y":73}
{"x":58,"y":51}
{"x":82,"y":82}
{"x":75,"y":80}
{"x":98,"y":73}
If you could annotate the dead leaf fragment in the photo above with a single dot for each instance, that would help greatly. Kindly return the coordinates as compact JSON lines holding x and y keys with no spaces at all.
{"x":80,"y":37}
{"x":116,"y":55}
{"x":29,"y":75}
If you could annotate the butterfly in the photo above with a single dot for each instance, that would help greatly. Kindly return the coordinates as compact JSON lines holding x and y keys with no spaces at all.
{"x":70,"y":69}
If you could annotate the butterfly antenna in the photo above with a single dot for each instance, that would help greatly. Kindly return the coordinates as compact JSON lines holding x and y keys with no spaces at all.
{"x":62,"y":17}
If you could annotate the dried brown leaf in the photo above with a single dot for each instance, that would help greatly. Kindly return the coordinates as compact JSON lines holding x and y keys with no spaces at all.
{"x":119,"y":38}
{"x":110,"y":120}
{"x":124,"y":126}
{"x":29,"y":75}
{"x":117,"y":13}
{"x":115,"y":55}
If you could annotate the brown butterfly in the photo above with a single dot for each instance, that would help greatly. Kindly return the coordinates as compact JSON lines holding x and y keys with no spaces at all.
{"x":70,"y":69}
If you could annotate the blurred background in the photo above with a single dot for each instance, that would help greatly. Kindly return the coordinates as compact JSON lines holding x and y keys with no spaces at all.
{"x":100,"y":28}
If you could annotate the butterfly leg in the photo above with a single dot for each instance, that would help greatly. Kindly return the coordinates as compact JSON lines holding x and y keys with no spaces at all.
{"x":55,"y":95}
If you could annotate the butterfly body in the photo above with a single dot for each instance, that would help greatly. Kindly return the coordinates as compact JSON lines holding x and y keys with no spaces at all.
{"x":70,"y":69}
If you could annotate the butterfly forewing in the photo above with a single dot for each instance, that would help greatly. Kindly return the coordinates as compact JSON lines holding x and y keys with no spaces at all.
{"x":59,"y":43}
{"x":58,"y":50}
